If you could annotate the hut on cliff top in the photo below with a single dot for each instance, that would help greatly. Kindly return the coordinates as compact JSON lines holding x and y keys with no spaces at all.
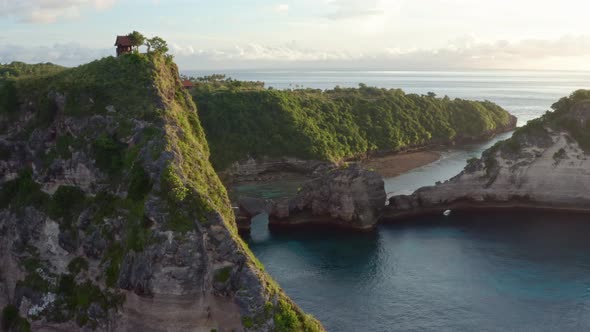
{"x":123,"y":44}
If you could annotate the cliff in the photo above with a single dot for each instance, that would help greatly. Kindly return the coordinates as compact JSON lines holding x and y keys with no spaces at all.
{"x":112,"y":217}
{"x":244,"y":122}
{"x":545,"y":165}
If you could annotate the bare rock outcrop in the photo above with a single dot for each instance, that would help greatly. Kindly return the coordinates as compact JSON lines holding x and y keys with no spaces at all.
{"x":348,"y":197}
{"x":543,"y":166}
{"x":250,"y":207}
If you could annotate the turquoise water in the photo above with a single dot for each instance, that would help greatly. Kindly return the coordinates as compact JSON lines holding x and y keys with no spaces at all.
{"x":501,"y":272}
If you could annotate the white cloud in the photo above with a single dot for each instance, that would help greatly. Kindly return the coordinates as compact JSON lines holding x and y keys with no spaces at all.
{"x":182,"y":50}
{"x":48,"y":11}
{"x":71,"y":54}
{"x":568,"y":52}
{"x":352,"y":9}
{"x":281,"y":8}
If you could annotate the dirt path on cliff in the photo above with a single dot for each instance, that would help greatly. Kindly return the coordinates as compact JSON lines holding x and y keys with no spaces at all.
{"x":397,"y":164}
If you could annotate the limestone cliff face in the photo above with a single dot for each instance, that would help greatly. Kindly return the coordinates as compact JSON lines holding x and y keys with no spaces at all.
{"x":111,"y":216}
{"x":350,"y":198}
{"x":544,"y":165}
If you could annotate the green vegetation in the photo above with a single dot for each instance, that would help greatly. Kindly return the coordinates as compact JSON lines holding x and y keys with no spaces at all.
{"x":140,"y":184}
{"x":244,"y":119}
{"x":562,"y":118}
{"x":75,"y":299}
{"x":204,"y":191}
{"x":288,"y":320}
{"x":222,"y":275}
{"x":108,"y":154}
{"x":576,"y":123}
{"x":20,"y":69}
{"x":156,"y":45}
{"x":12,"y":321}
{"x":8,"y":98}
{"x":137,"y":110}
{"x":21,"y":192}
{"x":82,"y":91}
{"x":77,"y":265}
{"x":177,"y":192}
{"x":65,"y":205}
{"x":137,"y":39}
{"x":113,"y":259}
{"x":565,"y":117}
{"x":247,"y":322}
{"x":559,"y":155}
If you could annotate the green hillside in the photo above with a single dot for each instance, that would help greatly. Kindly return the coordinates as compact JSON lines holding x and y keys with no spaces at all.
{"x":245,"y":120}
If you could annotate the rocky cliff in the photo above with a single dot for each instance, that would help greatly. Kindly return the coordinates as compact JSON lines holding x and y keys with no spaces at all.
{"x":545,"y":165}
{"x":111,"y":216}
{"x":349,"y":197}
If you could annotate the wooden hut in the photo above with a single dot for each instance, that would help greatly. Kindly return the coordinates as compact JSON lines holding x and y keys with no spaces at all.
{"x":124,"y":45}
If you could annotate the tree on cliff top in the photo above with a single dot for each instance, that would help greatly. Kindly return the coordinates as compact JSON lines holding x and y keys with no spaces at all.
{"x":158,"y":45}
{"x":137,"y":39}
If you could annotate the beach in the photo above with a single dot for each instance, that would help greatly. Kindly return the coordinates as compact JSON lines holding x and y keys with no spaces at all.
{"x":397,"y":164}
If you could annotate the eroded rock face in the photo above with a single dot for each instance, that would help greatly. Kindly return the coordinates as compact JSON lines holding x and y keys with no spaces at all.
{"x":116,"y":221}
{"x":350,"y":197}
{"x":268,"y":169}
{"x":541,"y":166}
{"x":250,"y":207}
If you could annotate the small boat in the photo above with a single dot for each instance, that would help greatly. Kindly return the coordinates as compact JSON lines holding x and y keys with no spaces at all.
{"x":447,"y":213}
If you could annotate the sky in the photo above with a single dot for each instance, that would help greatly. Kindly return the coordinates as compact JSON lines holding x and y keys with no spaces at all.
{"x":310,"y":34}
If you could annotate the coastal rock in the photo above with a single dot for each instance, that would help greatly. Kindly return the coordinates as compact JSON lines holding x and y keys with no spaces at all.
{"x":248,"y":208}
{"x":268,"y":169}
{"x":543,"y":166}
{"x":348,"y":197}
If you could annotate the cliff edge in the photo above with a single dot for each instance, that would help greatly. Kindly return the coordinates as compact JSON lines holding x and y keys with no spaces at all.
{"x":111,"y":216}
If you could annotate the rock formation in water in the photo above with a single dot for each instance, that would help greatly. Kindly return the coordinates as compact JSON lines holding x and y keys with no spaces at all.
{"x":111,"y":216}
{"x":544,"y":165}
{"x":250,"y":207}
{"x":348,"y":197}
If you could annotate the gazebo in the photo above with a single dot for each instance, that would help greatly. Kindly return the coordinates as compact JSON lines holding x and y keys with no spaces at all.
{"x":123,"y":44}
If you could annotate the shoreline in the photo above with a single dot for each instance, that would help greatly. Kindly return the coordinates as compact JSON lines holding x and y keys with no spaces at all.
{"x":470,"y":207}
{"x":397,"y":164}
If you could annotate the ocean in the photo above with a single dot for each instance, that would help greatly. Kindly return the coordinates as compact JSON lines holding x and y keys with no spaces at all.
{"x":500,"y":272}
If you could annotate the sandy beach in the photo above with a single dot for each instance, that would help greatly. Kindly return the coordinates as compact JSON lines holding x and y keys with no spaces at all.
{"x":397,"y":164}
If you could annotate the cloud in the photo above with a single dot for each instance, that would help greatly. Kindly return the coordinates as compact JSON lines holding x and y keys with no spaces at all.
{"x":351,"y":9}
{"x":571,"y":52}
{"x":567,"y":52}
{"x":48,"y":11}
{"x":281,"y":8}
{"x":70,"y":54}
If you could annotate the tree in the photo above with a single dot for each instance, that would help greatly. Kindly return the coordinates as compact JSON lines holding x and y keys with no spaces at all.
{"x":137,"y":39}
{"x":158,"y":44}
